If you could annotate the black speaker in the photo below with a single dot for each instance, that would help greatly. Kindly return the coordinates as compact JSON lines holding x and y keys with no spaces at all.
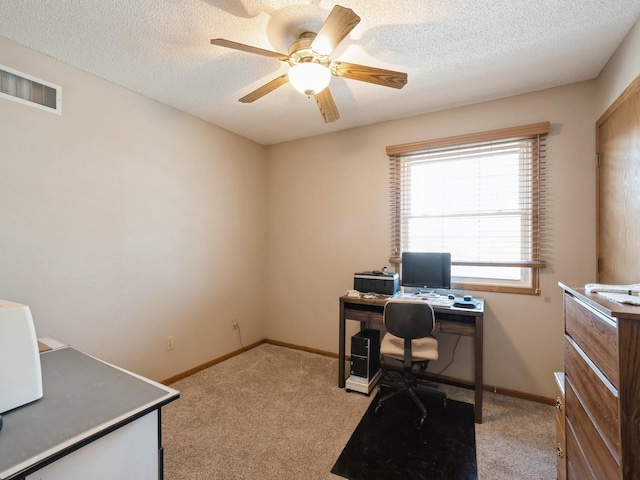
{"x":365,"y":353}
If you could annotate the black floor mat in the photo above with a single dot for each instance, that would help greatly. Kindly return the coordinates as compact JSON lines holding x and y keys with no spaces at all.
{"x":388,"y":445}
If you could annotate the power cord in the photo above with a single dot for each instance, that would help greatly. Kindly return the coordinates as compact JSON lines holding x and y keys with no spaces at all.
{"x":453,"y":356}
{"x":239,"y":335}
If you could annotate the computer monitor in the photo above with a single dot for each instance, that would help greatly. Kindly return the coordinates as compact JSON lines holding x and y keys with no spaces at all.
{"x":427,"y":270}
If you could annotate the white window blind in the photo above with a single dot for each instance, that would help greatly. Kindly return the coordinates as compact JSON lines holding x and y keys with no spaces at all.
{"x":479,"y":197}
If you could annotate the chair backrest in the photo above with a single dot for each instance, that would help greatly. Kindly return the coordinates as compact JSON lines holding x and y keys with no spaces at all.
{"x":409,"y":318}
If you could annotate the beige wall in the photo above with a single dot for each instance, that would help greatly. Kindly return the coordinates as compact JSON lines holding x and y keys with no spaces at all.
{"x":621,"y":69}
{"x":124,"y":221}
{"x":329,"y":217}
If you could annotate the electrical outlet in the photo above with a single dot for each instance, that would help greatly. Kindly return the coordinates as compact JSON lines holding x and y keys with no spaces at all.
{"x":170,"y":342}
{"x":234,"y":325}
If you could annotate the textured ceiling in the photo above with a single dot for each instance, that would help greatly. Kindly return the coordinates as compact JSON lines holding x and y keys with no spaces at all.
{"x":455,"y":52}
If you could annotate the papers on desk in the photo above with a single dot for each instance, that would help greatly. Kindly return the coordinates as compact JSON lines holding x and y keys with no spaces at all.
{"x":442,"y":301}
{"x":433,"y":300}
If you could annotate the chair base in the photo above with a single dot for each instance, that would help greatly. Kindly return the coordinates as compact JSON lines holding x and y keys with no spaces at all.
{"x":411,"y":389}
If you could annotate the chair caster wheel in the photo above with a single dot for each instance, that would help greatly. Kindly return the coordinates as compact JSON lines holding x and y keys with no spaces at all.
{"x":421,"y":423}
{"x":378,"y":407}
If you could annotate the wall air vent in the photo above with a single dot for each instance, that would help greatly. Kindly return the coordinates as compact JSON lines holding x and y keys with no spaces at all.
{"x":28,"y":90}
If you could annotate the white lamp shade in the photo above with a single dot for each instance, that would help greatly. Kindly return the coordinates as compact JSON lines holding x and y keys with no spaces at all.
{"x":309,"y":78}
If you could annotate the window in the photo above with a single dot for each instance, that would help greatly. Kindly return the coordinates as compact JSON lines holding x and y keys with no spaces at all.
{"x":479,"y":197}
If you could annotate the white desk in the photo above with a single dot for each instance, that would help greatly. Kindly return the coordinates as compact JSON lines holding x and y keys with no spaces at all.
{"x":94,"y":421}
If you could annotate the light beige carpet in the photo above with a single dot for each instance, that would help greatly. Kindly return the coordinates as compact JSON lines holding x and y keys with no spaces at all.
{"x":276,"y":413}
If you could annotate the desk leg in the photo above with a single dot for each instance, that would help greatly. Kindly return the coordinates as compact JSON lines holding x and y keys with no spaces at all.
{"x":341,"y":355}
{"x":478,"y":368}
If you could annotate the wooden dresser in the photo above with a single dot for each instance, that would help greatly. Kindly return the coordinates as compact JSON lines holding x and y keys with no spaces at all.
{"x":602,"y":387}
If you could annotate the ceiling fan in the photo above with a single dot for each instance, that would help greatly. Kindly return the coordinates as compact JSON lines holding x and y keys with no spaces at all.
{"x":311,"y":67}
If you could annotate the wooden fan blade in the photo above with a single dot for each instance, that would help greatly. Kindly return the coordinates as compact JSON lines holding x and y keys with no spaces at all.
{"x":248,"y":48}
{"x":335,"y":28}
{"x":264,"y":89}
{"x":379,"y":76}
{"x":327,"y":106}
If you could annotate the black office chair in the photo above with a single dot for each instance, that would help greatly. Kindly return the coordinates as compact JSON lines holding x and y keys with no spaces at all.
{"x":410,"y":325}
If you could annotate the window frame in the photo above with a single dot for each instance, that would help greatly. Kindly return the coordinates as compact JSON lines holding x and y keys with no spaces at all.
{"x":536,"y":132}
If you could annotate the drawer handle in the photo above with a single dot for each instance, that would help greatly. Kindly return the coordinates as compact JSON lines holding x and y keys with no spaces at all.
{"x":558,"y":403}
{"x":559,"y":451}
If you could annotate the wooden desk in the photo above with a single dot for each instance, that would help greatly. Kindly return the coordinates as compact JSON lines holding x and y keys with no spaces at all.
{"x":457,"y":321}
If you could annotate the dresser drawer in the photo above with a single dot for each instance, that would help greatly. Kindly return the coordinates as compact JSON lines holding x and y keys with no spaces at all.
{"x":559,"y":384}
{"x":577,"y":466}
{"x":561,"y":450}
{"x":561,"y":442}
{"x":595,"y":334}
{"x":585,"y":445}
{"x":587,"y":390}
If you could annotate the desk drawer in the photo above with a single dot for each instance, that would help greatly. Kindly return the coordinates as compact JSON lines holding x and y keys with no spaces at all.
{"x":595,"y":334}
{"x":363,"y":315}
{"x":454,"y":328}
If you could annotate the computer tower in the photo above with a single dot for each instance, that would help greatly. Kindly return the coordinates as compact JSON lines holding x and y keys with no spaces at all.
{"x":365,"y":354}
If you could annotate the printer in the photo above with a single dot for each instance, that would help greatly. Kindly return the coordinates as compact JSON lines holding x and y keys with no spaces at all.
{"x":20,"y":373}
{"x":376,"y":281}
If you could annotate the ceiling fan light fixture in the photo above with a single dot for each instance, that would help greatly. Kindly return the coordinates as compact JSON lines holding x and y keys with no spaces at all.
{"x":311,"y":68}
{"x":309,"y":78}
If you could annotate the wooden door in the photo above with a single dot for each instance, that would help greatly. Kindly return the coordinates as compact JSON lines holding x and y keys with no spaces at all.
{"x":618,"y":190}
